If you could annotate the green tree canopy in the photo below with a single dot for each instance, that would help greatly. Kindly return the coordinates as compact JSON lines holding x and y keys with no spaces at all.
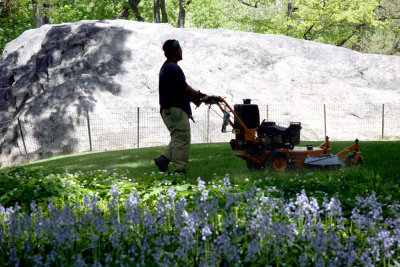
{"x":363,"y":25}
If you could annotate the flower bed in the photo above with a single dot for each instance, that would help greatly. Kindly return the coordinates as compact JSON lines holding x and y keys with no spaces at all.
{"x":239,"y":228}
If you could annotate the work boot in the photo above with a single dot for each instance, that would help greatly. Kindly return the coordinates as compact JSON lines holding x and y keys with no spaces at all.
{"x":162,"y":163}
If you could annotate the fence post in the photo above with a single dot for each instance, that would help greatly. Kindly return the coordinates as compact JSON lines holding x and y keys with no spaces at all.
{"x":138,"y":127}
{"x":89,"y":132}
{"x":325,"y":121}
{"x":208,"y":124}
{"x":23,"y":140}
{"x":383,"y":120}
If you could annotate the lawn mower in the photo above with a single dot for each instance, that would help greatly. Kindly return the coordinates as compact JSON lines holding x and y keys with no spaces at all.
{"x":271,"y":146}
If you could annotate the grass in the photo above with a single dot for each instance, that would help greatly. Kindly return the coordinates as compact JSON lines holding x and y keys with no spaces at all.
{"x":205,"y":159}
{"x":380,"y":171}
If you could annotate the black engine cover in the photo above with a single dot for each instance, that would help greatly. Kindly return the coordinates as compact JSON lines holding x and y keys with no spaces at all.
{"x":274,"y":136}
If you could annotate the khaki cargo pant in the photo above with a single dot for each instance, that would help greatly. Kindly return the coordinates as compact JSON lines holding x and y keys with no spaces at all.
{"x":177,"y":151}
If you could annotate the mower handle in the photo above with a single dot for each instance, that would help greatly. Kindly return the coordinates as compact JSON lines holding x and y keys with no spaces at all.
{"x":222,"y":100}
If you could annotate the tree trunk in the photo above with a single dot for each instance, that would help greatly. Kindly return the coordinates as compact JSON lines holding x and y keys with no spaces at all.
{"x":164,"y":12}
{"x":396,"y":47}
{"x":181,"y":18}
{"x":157,"y":11}
{"x":290,"y":8}
{"x":134,"y":5}
{"x":160,"y":5}
{"x":40,"y":13}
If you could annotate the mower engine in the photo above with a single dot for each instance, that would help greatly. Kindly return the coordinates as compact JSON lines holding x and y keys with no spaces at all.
{"x":269,"y":134}
{"x":274,"y":136}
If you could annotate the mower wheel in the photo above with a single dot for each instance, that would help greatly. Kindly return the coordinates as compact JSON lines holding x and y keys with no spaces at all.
{"x":349,"y":161}
{"x":278,"y":161}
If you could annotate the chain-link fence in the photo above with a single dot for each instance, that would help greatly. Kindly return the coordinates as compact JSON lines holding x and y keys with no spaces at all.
{"x":47,"y":134}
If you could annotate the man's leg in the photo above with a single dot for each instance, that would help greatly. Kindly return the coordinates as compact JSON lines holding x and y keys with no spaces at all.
{"x":177,"y":151}
{"x":180,"y":149}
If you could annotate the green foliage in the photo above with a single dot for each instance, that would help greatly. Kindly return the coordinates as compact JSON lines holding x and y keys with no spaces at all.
{"x":23,"y":186}
{"x":335,"y":21}
{"x":15,"y":18}
{"x":368,"y":26}
{"x":67,"y":11}
{"x":329,"y":21}
{"x":207,"y":14}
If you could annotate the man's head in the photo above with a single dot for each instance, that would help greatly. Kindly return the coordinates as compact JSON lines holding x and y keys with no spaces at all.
{"x":172,"y":50}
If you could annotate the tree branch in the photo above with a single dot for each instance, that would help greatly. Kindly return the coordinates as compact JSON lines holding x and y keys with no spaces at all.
{"x":247,"y":4}
{"x":134,"y":5}
{"x":124,"y":13}
{"x":307,"y":32}
{"x":341,"y":43}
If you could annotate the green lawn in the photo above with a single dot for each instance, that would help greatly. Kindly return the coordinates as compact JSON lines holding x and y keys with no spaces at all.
{"x":208,"y":160}
{"x":380,"y":172}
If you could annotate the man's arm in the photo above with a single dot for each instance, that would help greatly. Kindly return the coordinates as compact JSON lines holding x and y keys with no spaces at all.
{"x":198,"y":97}
{"x":193,"y":93}
{"x":195,"y":96}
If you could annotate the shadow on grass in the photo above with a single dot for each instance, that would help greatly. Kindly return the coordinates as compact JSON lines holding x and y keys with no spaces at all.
{"x":134,"y":160}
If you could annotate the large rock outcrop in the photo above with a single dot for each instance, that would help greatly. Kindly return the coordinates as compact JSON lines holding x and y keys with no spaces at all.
{"x":93,"y":65}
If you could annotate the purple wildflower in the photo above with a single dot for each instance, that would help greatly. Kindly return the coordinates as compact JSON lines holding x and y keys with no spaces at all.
{"x":227,"y":183}
{"x":114,"y":190}
{"x":205,"y":232}
{"x":201,"y":183}
{"x":171,"y":194}
{"x":333,"y":207}
{"x":367,"y":212}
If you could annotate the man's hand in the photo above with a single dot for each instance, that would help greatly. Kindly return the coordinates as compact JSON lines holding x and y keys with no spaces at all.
{"x":210,"y":99}
{"x":199,"y":98}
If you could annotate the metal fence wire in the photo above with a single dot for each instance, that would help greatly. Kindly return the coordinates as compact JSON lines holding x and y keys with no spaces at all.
{"x":50,"y":133}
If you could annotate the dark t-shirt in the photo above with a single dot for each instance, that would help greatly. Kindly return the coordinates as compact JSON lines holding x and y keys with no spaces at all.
{"x":171,"y":87}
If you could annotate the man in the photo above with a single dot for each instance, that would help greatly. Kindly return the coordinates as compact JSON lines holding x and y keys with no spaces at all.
{"x":175,"y":97}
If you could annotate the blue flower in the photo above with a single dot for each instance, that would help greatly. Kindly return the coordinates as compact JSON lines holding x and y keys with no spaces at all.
{"x":114,"y":190}
{"x":205,"y":232}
